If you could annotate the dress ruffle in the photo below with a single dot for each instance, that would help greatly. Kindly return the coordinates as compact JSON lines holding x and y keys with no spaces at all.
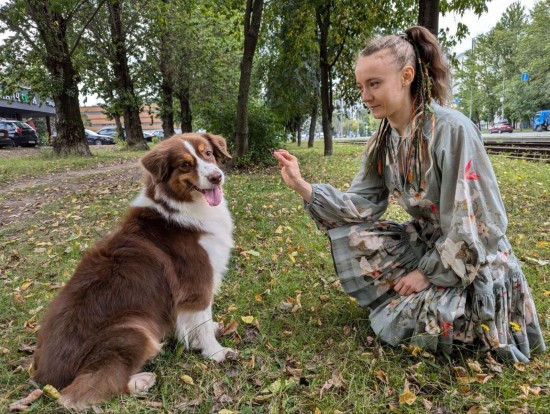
{"x":499,"y":314}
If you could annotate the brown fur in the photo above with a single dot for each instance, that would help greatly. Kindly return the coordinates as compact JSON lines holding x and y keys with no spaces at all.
{"x":123,"y":298}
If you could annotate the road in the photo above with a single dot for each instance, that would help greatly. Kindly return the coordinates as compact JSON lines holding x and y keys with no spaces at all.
{"x":523,"y":135}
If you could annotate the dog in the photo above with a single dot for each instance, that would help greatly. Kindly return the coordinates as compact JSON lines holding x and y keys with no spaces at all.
{"x":155,"y":274}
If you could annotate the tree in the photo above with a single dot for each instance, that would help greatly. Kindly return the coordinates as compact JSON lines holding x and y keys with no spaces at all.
{"x":129,"y":102}
{"x":252,"y":21}
{"x":54,"y":38}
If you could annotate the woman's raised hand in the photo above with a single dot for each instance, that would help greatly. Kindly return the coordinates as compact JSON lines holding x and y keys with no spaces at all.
{"x":290,"y":171}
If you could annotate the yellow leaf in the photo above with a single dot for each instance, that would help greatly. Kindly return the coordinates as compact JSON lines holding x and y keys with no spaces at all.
{"x":279,"y":230}
{"x":51,"y":391}
{"x":317,"y":411}
{"x":520,"y":366}
{"x":226,"y":411}
{"x":515,"y":326}
{"x":247,"y":319}
{"x":485,"y":327}
{"x":187,"y":379}
{"x":258,"y":298}
{"x":407,"y":397}
{"x":25,"y":285}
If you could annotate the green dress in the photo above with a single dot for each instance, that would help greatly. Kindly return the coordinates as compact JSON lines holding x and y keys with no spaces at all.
{"x":456,"y":237}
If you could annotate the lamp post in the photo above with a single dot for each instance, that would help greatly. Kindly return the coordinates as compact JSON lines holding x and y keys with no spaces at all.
{"x":471,"y":81}
{"x":502,"y":97}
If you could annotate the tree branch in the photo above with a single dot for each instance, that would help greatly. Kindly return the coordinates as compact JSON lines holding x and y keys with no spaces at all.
{"x":85,"y":27}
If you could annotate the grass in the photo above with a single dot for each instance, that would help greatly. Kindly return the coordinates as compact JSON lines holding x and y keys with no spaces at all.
{"x":308,"y":348}
{"x":40,"y":161}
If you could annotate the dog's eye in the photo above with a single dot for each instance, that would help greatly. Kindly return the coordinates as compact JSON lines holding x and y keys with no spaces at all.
{"x":185,"y":164}
{"x":208,"y":154}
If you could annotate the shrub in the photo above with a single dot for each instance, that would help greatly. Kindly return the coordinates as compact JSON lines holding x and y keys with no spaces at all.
{"x":264,"y":131}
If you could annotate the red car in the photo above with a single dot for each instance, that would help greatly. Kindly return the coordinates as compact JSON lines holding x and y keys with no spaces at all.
{"x":501,"y":127}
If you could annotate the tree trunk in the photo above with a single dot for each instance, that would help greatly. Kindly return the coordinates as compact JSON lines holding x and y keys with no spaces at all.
{"x":298,"y":124}
{"x":428,"y":15}
{"x":252,"y":21}
{"x":166,"y":89}
{"x":185,"y":110}
{"x":323,"y":23}
{"x":313,"y":122}
{"x":123,"y":80}
{"x":52,"y":25}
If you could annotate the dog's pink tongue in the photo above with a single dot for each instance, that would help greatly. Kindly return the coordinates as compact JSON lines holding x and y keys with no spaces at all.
{"x":213,"y":196}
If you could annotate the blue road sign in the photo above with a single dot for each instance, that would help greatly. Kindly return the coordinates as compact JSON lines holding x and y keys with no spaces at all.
{"x":524,"y":76}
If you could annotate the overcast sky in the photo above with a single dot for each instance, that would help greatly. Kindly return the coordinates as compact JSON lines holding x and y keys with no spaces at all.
{"x":482,"y":24}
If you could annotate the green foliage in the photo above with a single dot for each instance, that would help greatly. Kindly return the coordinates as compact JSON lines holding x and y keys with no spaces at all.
{"x":264,"y":131}
{"x":517,"y":44}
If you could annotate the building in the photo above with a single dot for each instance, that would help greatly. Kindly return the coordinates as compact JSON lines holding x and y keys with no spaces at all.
{"x":95,"y":118}
{"x":23,"y":105}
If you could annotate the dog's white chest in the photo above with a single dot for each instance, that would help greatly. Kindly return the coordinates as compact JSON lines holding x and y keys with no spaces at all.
{"x":218,"y":242}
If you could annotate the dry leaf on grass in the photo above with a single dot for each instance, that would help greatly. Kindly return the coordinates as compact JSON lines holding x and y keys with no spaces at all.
{"x":336,"y":381}
{"x":407,"y":397}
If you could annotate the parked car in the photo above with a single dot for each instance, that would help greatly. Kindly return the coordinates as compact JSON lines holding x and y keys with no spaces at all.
{"x":5,"y":140}
{"x":96,"y":139}
{"x":19,"y":132}
{"x":108,"y":131}
{"x":159,"y":133}
{"x":111,"y":130}
{"x":501,"y":127}
{"x":147,"y":136}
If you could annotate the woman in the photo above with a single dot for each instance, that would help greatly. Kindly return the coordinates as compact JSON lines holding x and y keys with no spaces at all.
{"x":448,"y":275}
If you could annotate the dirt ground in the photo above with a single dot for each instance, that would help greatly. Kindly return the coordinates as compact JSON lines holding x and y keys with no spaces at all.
{"x":21,"y":200}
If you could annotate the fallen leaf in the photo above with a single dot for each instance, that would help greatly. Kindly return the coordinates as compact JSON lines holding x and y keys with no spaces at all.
{"x":230,"y":328}
{"x":476,"y":409}
{"x":474,"y":366}
{"x":407,"y":397}
{"x":520,"y":366}
{"x":381,"y":375}
{"x":187,"y":379}
{"x":247,"y":319}
{"x":51,"y":392}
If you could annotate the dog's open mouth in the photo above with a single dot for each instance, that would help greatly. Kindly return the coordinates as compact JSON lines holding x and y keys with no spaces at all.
{"x":213,"y":196}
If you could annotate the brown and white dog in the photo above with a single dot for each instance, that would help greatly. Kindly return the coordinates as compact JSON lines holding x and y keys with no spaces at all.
{"x":157,"y":273}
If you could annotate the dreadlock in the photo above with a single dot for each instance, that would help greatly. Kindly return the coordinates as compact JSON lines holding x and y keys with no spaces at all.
{"x":416,"y":46}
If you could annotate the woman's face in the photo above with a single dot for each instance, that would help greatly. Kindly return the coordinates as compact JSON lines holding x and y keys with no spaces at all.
{"x":385,"y":89}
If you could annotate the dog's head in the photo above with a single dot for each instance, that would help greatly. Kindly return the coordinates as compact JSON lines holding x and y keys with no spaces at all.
{"x":186,"y":165}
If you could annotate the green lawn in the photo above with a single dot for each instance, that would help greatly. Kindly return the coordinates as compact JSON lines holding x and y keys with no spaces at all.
{"x":305,"y":346}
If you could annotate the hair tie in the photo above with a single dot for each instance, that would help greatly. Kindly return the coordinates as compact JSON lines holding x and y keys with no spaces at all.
{"x":405,"y":36}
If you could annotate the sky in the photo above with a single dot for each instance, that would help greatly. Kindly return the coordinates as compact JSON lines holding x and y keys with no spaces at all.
{"x":480,"y":25}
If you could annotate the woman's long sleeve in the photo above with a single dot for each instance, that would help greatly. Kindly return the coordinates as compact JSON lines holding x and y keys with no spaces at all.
{"x":365,"y":200}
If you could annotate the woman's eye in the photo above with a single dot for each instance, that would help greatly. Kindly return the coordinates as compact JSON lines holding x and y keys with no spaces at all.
{"x":374,"y":84}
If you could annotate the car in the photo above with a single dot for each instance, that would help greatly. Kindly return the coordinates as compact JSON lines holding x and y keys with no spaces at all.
{"x":108,"y":131}
{"x":159,"y":133}
{"x":501,"y":127}
{"x":97,"y":139}
{"x":5,"y":140}
{"x":111,"y":130}
{"x":147,"y":136}
{"x":19,"y":132}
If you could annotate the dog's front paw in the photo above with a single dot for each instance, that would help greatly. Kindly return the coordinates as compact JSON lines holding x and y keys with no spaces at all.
{"x":222,"y":354}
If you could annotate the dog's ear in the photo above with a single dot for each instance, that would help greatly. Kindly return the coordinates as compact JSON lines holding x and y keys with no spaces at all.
{"x":157,"y":163}
{"x":219,"y":145}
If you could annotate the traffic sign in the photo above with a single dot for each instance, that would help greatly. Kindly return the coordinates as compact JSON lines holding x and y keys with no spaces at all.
{"x":524,"y":76}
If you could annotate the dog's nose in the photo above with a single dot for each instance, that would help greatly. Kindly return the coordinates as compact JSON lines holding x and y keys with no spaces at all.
{"x":215,"y":178}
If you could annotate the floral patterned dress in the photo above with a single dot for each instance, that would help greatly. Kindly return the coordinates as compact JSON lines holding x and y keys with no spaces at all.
{"x":456,"y":238}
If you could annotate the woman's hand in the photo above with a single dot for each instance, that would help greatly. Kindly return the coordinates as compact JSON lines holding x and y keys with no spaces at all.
{"x":414,"y":282}
{"x":290,"y":171}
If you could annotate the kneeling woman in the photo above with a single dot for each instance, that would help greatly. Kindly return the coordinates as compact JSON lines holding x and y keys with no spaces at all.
{"x":448,"y":275}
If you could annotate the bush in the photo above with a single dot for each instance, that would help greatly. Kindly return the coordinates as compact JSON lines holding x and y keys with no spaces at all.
{"x":264,"y":131}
